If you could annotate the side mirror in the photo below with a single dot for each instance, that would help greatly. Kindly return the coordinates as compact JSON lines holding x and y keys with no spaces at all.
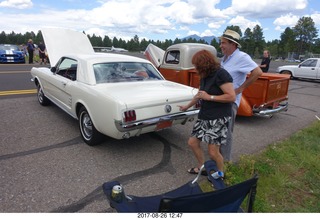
{"x":53,"y":69}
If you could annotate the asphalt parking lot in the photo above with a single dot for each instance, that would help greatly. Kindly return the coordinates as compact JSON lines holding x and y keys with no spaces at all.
{"x":45,"y":166}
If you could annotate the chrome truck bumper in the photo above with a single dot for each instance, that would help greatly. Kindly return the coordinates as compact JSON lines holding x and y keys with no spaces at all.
{"x":188,"y":115}
{"x":270,"y":112}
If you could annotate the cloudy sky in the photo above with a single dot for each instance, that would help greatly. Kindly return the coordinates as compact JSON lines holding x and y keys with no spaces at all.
{"x":156,"y":19}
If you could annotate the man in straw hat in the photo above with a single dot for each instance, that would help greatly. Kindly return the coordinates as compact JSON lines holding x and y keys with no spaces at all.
{"x":238,"y":64}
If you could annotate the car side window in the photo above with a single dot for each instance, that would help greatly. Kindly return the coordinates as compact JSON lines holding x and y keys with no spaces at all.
{"x":68,"y":68}
{"x":309,"y":63}
{"x":173,"y":57}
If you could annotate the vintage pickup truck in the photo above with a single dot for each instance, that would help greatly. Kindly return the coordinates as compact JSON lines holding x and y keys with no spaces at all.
{"x":309,"y":69}
{"x":268,"y":95}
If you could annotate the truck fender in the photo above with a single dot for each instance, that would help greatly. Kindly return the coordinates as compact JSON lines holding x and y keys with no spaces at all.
{"x":245,"y":108}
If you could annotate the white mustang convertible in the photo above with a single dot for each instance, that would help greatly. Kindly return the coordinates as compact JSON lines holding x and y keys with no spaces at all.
{"x":110,"y":94}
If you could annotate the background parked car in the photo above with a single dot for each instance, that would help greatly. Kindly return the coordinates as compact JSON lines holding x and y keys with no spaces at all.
{"x":309,"y":69}
{"x":11,"y":53}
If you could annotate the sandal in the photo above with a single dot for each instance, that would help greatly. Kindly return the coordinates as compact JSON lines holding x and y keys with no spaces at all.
{"x":195,"y":170}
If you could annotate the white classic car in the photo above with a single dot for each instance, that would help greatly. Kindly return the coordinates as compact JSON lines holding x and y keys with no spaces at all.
{"x":115,"y":95}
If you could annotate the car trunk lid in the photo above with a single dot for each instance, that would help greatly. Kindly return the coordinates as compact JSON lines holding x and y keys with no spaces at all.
{"x":150,"y":100}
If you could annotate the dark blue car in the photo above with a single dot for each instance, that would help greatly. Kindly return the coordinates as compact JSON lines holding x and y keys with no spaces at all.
{"x":11,"y":54}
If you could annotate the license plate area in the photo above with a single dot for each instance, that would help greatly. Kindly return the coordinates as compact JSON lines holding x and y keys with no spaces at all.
{"x":163,"y":125}
{"x":275,"y":104}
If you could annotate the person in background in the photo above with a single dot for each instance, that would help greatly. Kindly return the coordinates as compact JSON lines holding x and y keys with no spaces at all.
{"x":42,"y":53}
{"x":265,"y":62}
{"x":217,"y":95}
{"x":238,"y":64}
{"x":24,"y":50}
{"x":30,"y":48}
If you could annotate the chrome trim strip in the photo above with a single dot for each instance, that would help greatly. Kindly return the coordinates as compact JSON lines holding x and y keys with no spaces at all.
{"x":123,"y":127}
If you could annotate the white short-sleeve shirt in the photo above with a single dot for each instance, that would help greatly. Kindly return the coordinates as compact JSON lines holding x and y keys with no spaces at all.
{"x":239,"y":64}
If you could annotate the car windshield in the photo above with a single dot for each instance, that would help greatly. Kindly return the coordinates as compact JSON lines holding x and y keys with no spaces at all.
{"x":9,"y":47}
{"x":124,"y":72}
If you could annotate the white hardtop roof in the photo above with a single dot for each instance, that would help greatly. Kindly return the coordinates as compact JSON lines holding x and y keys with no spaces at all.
{"x":193,"y":46}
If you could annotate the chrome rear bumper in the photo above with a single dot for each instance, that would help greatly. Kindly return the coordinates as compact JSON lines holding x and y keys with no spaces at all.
{"x":124,"y":127}
{"x":270,"y":112}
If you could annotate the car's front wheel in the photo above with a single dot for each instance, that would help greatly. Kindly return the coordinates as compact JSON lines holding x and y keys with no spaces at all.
{"x":287,"y":73}
{"x":89,"y":133}
{"x":43,"y":100}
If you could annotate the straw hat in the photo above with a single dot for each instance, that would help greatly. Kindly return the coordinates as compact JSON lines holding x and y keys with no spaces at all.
{"x":30,"y":40}
{"x":233,"y":36}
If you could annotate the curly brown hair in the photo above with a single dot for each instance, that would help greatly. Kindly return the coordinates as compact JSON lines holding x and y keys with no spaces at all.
{"x":205,"y":63}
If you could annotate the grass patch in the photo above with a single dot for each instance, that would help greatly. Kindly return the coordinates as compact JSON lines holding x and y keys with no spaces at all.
{"x":289,"y":173}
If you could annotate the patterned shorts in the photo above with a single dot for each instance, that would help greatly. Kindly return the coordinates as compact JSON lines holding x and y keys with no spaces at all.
{"x":211,"y":131}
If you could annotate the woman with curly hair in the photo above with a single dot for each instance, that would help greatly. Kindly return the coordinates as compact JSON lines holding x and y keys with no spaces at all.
{"x":216,"y":94}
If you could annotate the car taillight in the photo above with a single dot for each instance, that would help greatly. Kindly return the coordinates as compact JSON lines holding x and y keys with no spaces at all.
{"x":198,"y":104}
{"x":130,"y":116}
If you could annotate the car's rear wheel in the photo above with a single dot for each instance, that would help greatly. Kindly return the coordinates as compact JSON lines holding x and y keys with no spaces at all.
{"x":43,"y":100}
{"x":89,"y":133}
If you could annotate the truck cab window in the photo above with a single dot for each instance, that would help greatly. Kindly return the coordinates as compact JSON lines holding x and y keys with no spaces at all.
{"x":173,"y":57}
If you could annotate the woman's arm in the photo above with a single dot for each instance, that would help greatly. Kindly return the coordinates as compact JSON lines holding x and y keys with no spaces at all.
{"x":194,"y":100}
{"x":228,"y":95}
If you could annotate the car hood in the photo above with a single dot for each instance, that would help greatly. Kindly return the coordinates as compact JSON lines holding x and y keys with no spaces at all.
{"x":136,"y":95}
{"x":61,"y":42}
{"x":154,"y":54}
{"x":10,"y":52}
{"x":289,"y":66}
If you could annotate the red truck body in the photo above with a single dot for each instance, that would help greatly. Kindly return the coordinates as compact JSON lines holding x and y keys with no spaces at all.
{"x":266,"y":96}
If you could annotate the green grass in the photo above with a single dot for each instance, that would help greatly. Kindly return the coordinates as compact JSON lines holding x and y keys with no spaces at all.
{"x":289,"y":173}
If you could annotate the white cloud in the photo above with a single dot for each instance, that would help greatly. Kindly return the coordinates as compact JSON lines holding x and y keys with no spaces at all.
{"x":206,"y":33}
{"x":19,"y":4}
{"x":267,"y":8}
{"x":316,"y":18}
{"x":216,"y":24}
{"x":181,"y":12}
{"x":126,"y":18}
{"x":279,"y":28}
{"x":193,"y":32}
{"x":206,"y":9}
{"x":288,"y":20}
{"x":113,"y":17}
{"x":243,"y":23}
{"x":184,"y":28}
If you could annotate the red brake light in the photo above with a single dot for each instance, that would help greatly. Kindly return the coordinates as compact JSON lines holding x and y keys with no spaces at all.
{"x":198,"y":104}
{"x":130,"y":116}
